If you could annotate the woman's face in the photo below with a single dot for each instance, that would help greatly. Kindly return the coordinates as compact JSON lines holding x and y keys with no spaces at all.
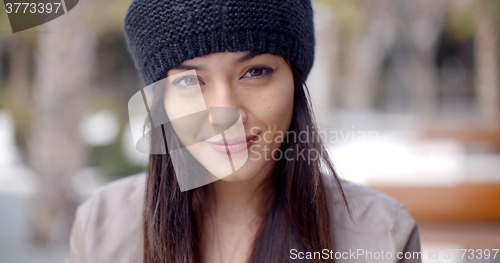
{"x":237,"y":107}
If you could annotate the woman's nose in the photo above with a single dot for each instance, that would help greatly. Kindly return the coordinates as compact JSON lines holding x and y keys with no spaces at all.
{"x":224,"y":105}
{"x":220,"y":94}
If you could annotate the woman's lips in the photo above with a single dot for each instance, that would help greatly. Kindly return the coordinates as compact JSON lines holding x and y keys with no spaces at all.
{"x":234,"y":145}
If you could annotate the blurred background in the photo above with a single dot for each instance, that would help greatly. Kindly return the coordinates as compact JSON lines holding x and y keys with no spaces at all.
{"x":406,"y":93}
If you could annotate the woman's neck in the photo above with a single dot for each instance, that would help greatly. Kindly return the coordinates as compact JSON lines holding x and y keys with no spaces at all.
{"x":233,"y":200}
{"x":237,"y":210}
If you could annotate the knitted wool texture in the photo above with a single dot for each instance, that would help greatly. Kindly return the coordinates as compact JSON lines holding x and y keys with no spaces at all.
{"x":161,"y":34}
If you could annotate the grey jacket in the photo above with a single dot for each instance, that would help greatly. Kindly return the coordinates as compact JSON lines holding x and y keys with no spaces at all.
{"x":108,"y":226}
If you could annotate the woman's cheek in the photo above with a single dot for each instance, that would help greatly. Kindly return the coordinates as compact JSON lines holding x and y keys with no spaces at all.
{"x":277,"y":108}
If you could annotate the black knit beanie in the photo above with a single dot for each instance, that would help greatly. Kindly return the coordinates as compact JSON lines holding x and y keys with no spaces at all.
{"x":161,"y":34}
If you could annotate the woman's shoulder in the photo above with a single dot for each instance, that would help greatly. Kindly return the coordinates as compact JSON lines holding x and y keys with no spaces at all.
{"x":108,"y":225}
{"x":117,"y":198}
{"x":376,"y":222}
{"x":361,"y":199}
{"x":125,"y":191}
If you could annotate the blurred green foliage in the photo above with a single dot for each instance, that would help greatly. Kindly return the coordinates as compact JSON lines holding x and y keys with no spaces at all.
{"x":460,"y":25}
{"x":112,"y":162}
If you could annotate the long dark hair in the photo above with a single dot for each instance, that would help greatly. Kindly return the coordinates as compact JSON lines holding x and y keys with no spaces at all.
{"x":297,"y":217}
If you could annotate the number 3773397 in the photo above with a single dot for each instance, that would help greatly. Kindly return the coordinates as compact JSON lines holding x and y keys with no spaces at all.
{"x":471,"y":253}
{"x":25,"y":14}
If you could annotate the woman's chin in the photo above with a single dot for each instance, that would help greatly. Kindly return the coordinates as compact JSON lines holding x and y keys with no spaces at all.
{"x":234,"y":177}
{"x":247,"y":172}
{"x":237,"y":176}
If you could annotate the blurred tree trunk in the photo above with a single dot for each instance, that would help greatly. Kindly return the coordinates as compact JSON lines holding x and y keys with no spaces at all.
{"x":486,"y":59}
{"x":18,"y":86}
{"x":427,"y":21}
{"x":321,"y":79}
{"x":63,"y":73}
{"x":368,"y":49}
{"x":405,"y":33}
{"x":19,"y":67}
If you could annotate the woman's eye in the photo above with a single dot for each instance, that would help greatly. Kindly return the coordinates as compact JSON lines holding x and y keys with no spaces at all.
{"x":186,"y":81}
{"x":258,"y":71}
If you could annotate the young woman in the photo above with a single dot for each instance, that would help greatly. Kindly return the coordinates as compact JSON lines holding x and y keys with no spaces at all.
{"x":238,"y":173}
